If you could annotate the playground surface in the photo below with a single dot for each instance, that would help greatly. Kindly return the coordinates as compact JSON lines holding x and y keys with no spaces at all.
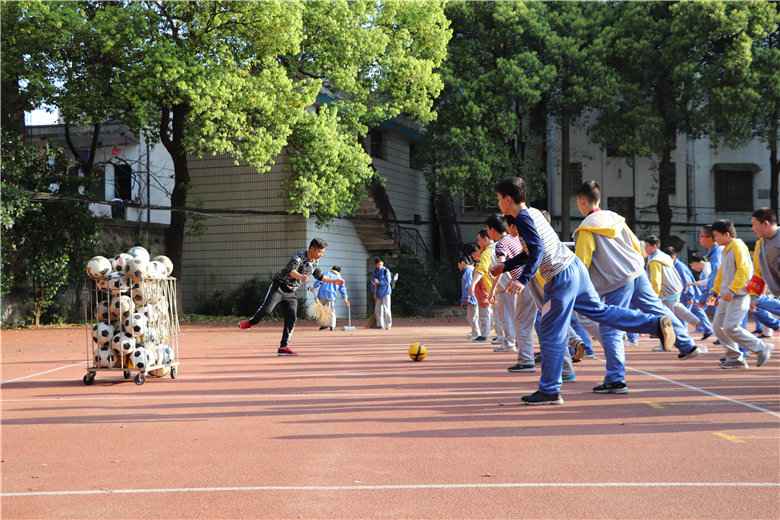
{"x":352,"y":428}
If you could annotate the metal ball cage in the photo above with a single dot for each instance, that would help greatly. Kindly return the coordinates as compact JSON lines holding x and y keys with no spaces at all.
{"x":163,"y":327}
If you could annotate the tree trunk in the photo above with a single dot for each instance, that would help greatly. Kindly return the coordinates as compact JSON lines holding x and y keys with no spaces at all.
{"x":665,"y":182}
{"x":447,"y":219}
{"x":565,"y":180}
{"x":774,"y":165}
{"x":172,"y":135}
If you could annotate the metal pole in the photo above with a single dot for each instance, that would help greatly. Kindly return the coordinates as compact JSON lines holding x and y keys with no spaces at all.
{"x":148,"y":191}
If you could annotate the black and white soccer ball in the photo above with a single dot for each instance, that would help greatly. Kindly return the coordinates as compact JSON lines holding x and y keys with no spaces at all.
{"x":140,"y":253}
{"x":102,"y":333}
{"x":136,"y":325}
{"x":124,"y":342}
{"x":105,"y":357}
{"x":98,"y":267}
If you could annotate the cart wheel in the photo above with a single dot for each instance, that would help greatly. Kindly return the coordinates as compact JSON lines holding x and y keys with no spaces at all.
{"x":127,"y":374}
{"x":173,"y":372}
{"x":89,"y":378}
{"x":140,"y":378}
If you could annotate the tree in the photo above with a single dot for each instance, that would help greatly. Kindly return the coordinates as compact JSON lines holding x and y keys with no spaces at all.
{"x":41,"y":232}
{"x":582,"y":80}
{"x":494,"y":78}
{"x":676,"y":64}
{"x":241,"y":78}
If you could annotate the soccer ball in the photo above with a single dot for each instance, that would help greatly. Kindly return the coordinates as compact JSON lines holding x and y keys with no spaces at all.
{"x":142,"y":359}
{"x":102,"y":284}
{"x":98,"y":267}
{"x":104,"y":357}
{"x":117,"y":282}
{"x":149,"y":311}
{"x":102,"y":333}
{"x":138,"y":269}
{"x":166,"y":262}
{"x":417,"y":351}
{"x":121,"y":306}
{"x":102,"y":312}
{"x":139,"y":252}
{"x":137,"y":293}
{"x":136,"y":325}
{"x":124,"y":342}
{"x":122,"y":262}
{"x":165,"y":354}
{"x":157,"y":270}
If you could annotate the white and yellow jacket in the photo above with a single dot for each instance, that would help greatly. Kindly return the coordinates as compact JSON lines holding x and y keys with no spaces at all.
{"x":609,"y":249}
{"x":736,"y":269}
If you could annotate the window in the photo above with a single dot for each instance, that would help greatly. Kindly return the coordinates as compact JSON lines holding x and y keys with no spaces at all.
{"x":97,"y":184}
{"x":416,"y":161}
{"x":377,"y":148}
{"x":123,"y":182}
{"x":733,"y":191}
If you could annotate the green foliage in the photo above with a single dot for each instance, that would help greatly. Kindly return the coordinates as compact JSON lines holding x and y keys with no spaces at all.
{"x":491,"y":79}
{"x":45,"y":240}
{"x":417,"y":290}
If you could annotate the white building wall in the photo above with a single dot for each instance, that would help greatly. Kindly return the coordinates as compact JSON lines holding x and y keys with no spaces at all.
{"x":618,"y":177}
{"x":346,"y":250}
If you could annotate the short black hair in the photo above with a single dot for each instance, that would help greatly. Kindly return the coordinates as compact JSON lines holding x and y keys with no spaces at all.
{"x":591,"y":191}
{"x":765,"y":215}
{"x":725,"y":226}
{"x":483,"y":233}
{"x":513,"y":188}
{"x":695,"y":257}
{"x":496,"y":223}
{"x":707,"y":230}
{"x":377,"y":260}
{"x":336,"y":268}
{"x":466,"y":260}
{"x":317,"y":243}
{"x":653,"y":240}
{"x":470,"y":248}
{"x":670,"y":250}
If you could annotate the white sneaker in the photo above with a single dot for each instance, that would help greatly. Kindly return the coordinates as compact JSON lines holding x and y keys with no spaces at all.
{"x":703,"y":349}
{"x":764,"y":354}
{"x":497,"y":341}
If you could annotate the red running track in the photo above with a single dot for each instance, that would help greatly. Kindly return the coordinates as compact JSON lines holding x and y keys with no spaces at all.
{"x":353,"y":429}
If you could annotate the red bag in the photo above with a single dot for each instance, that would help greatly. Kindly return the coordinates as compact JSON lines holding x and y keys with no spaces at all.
{"x":755,"y":286}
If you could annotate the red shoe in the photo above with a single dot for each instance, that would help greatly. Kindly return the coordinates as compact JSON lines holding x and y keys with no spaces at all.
{"x":286,"y":351}
{"x":244,"y":324}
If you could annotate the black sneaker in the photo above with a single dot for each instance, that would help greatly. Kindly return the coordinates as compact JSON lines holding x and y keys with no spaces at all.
{"x":323,"y":328}
{"x":706,"y":335}
{"x":520,"y":367}
{"x":666,"y":333}
{"x":690,"y":354}
{"x":611,"y":388}
{"x":480,"y":338}
{"x":538,"y":358}
{"x":539,"y":398}
{"x":717,"y":342}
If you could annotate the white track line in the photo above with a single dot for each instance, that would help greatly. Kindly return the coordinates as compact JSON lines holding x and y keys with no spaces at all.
{"x":395,"y":487}
{"x":707,"y":392}
{"x":42,"y":373}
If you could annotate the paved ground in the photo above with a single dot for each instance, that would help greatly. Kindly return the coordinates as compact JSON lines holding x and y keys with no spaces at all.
{"x":353,"y":429}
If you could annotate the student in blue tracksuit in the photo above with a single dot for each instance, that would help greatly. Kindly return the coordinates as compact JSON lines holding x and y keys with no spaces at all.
{"x":467,"y":300}
{"x":567,"y":287}
{"x":613,"y":256}
{"x":382,"y":283}
{"x":327,"y":291}
{"x":702,"y":267}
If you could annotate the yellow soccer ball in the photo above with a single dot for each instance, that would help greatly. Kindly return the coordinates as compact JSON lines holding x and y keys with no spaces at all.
{"x":417,"y":351}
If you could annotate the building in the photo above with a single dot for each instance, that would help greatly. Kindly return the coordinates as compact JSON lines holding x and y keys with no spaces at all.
{"x":247,"y":231}
{"x":710,"y":183}
{"x":131,"y":170}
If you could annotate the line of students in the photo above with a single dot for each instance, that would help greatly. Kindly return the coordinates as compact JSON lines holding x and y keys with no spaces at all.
{"x":607,"y":281}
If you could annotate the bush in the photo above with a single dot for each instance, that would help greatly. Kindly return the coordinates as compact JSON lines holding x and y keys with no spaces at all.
{"x":417,"y":291}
